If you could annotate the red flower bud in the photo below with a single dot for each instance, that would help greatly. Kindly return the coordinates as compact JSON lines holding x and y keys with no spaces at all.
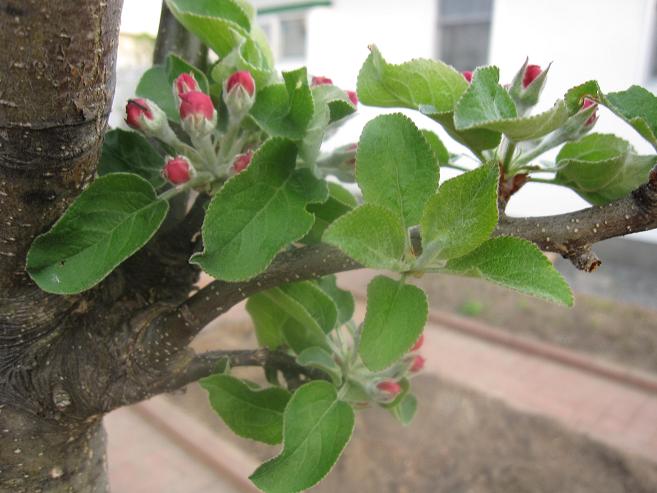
{"x":418,"y":364}
{"x":196,"y":103}
{"x":467,"y":74}
{"x":243,"y":79}
{"x":531,"y":72}
{"x":587,"y":103}
{"x":418,"y":343}
{"x":135,"y":110}
{"x":177,"y":170}
{"x":185,"y":83}
{"x":320,"y":81}
{"x":242,"y":161}
{"x":353,"y":97}
{"x":389,"y":387}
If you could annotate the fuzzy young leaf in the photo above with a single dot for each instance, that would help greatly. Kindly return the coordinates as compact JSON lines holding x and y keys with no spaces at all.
{"x":106,"y":224}
{"x":395,"y":167}
{"x":517,"y":264}
{"x":371,"y":235}
{"x":285,"y":110}
{"x":485,"y":101}
{"x":602,"y":167}
{"x":418,"y":84}
{"x":339,"y":202}
{"x":439,"y":149}
{"x":638,"y":107}
{"x":250,"y":413}
{"x":292,"y":315}
{"x":462,"y":215}
{"x":405,"y":409}
{"x":316,"y":357}
{"x":395,"y":318}
{"x":344,"y":300}
{"x":129,"y":152}
{"x":316,"y":428}
{"x":257,"y":213}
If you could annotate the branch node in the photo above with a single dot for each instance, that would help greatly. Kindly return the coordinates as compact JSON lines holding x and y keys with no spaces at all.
{"x":584,"y":258}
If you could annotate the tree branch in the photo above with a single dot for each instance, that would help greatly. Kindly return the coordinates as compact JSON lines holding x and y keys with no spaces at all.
{"x":205,"y":364}
{"x":172,"y":37}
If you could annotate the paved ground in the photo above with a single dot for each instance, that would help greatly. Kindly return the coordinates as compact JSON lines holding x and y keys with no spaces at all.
{"x":176,"y":456}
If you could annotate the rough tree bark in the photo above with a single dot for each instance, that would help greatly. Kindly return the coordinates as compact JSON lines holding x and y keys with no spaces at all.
{"x":65,"y":361}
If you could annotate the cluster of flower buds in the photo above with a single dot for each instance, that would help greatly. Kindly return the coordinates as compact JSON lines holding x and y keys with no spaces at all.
{"x":389,"y":388}
{"x":239,"y":94}
{"x":319,"y":80}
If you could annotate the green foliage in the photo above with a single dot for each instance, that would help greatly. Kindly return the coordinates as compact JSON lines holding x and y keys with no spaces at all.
{"x":344,"y":300}
{"x":371,"y":235}
{"x":517,"y":264}
{"x":107,"y":223}
{"x":404,"y":410}
{"x":129,"y":152}
{"x":602,"y":167}
{"x":285,"y":110}
{"x":250,"y":413}
{"x":339,"y":202}
{"x":461,"y":216}
{"x":316,"y":357}
{"x":395,"y":167}
{"x":638,"y":107}
{"x":257,"y":213}
{"x":395,"y":318}
{"x":316,"y":428}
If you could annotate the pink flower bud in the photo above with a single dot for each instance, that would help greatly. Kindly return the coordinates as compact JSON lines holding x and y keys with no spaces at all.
{"x":389,"y":387}
{"x":135,"y":110}
{"x":418,"y":364}
{"x":242,"y":161}
{"x":197,"y":113}
{"x":195,"y":103}
{"x":467,"y":75}
{"x":587,"y":103}
{"x":353,"y":97}
{"x":418,"y":344}
{"x":185,"y":83}
{"x":177,"y":170}
{"x":531,"y":72}
{"x":320,"y":81}
{"x":243,"y":79}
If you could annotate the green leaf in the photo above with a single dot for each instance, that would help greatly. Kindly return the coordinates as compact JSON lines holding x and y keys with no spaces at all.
{"x":517,"y":264}
{"x":638,"y":107}
{"x":602,"y":167}
{"x":254,"y":414}
{"x":395,"y":167}
{"x":344,"y":300}
{"x":462,"y":215}
{"x":317,"y":303}
{"x":339,"y":202}
{"x":405,"y":409}
{"x":287,"y":109}
{"x":316,"y":428}
{"x":428,"y":84}
{"x":316,"y":357}
{"x":257,"y":213}
{"x":288,"y":319}
{"x":229,"y":10}
{"x":108,"y":222}
{"x":268,"y":320}
{"x":395,"y":318}
{"x":129,"y":152}
{"x":246,"y":56}
{"x":574,"y":98}
{"x":439,"y":149}
{"x":371,"y":235}
{"x":477,"y":139}
{"x":312,"y":141}
{"x":157,"y":84}
{"x":484,"y":101}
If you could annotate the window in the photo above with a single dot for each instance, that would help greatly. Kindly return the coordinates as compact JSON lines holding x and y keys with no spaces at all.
{"x":464,"y":32}
{"x":286,"y":33}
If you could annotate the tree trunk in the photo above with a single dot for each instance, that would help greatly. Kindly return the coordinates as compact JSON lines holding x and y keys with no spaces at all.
{"x":57,"y":64}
